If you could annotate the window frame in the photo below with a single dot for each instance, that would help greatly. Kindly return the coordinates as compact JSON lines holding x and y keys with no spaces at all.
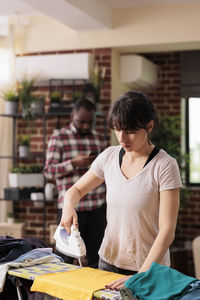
{"x":187,"y":141}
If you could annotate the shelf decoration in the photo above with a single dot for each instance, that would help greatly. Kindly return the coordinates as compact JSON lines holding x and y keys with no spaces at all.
{"x":17,"y":194}
{"x":24,"y":145}
{"x":55,"y":101}
{"x":92,"y":89}
{"x":11,"y":97}
{"x":26,"y":176}
{"x":55,"y":98}
{"x":37,"y":105}
{"x":10,"y":218}
{"x":63,"y":94}
{"x":26,"y":97}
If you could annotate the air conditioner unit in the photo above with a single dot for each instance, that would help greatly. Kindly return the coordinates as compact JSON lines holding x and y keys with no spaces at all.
{"x":56,"y":66}
{"x":138,"y":72}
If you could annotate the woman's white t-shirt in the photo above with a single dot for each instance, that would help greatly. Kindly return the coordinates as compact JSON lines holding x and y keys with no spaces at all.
{"x":133,"y":207}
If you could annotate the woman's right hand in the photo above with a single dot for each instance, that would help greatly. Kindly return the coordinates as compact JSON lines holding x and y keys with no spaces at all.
{"x":69,"y":218}
{"x":73,"y":195}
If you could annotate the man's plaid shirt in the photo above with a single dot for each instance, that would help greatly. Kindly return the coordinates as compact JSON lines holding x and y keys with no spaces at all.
{"x":65,"y":144}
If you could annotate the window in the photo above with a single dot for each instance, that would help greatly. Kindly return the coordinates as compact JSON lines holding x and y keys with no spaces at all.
{"x":193,"y":140}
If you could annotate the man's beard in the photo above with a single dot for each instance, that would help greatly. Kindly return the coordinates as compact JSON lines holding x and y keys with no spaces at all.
{"x":83,"y":133}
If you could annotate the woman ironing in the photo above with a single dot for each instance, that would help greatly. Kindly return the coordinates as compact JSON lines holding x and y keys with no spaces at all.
{"x":143,"y":185}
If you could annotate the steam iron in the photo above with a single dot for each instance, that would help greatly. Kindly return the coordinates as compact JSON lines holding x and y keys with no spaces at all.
{"x":71,"y":245}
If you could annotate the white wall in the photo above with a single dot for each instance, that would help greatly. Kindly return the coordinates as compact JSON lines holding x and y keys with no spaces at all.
{"x":155,"y":28}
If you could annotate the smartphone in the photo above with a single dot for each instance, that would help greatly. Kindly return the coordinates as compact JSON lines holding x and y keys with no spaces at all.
{"x":94,"y":154}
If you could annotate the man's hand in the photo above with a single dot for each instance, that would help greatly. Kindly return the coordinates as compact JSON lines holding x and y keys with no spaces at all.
{"x":82,"y":161}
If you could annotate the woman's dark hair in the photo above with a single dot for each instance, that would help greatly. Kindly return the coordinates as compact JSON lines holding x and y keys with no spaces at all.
{"x":132,"y":111}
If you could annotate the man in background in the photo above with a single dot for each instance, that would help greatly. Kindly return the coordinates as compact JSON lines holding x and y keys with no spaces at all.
{"x":71,"y":151}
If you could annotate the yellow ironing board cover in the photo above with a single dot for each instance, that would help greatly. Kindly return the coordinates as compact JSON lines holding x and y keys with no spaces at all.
{"x":77,"y":284}
{"x":32,"y":272}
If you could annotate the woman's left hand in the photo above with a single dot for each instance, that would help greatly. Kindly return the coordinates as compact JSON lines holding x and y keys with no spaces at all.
{"x":117,"y":284}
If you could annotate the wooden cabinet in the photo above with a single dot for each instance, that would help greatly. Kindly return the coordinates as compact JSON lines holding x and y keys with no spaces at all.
{"x":15,"y":230}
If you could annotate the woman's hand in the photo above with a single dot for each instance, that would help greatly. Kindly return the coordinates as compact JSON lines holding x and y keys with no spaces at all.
{"x":68,"y":218}
{"x":73,"y":195}
{"x":117,"y":284}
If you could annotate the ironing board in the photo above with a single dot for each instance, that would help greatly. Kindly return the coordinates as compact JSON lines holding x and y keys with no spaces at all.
{"x":30,"y":273}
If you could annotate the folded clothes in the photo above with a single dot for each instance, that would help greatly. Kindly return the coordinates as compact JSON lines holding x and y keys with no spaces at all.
{"x":31,"y":258}
{"x":13,"y":249}
{"x":193,"y":293}
{"x":77,"y":284}
{"x":159,"y":282}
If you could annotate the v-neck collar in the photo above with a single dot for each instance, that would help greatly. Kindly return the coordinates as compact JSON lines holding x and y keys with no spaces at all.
{"x":141,"y":171}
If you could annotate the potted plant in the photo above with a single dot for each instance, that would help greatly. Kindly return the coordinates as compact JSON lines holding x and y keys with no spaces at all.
{"x":55,"y":102}
{"x":24,"y":145}
{"x":55,"y":98}
{"x":37,"y":105}
{"x":77,"y":95}
{"x":26,"y":96}
{"x":10,"y":218}
{"x":26,"y":176}
{"x":92,"y":89}
{"x":11,"y":98}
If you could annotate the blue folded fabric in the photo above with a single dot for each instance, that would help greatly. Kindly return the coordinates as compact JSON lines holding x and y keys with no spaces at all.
{"x":37,"y":253}
{"x":193,"y":292}
{"x":159,"y":282}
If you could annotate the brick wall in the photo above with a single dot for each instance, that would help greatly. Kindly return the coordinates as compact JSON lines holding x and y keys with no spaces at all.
{"x":167,"y":96}
{"x":189,"y":217}
{"x":33,"y":213}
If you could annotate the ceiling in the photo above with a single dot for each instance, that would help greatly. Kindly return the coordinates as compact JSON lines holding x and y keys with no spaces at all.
{"x":131,"y":3}
{"x":76,"y":14}
{"x":12,"y":7}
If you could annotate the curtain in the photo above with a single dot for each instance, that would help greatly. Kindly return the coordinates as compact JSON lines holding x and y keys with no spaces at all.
{"x":6,"y":79}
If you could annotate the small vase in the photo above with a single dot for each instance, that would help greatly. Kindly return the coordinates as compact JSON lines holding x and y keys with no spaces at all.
{"x":24,"y":151}
{"x":11,"y":107}
{"x":37,"y":108}
{"x":10,"y":220}
{"x":49,"y":191}
{"x":98,"y":109}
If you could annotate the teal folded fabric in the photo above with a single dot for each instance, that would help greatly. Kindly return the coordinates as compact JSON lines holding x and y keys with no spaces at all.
{"x":159,"y":283}
{"x":126,"y":294}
